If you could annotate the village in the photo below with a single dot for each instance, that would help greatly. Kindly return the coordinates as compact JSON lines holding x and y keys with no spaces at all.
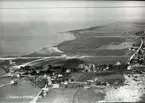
{"x":48,"y":76}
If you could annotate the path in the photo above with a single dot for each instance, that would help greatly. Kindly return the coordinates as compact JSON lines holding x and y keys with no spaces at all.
{"x":141,"y":44}
{"x":34,"y":100}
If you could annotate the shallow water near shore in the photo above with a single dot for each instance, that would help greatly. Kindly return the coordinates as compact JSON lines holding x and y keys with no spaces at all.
{"x":38,"y":28}
{"x":22,"y":45}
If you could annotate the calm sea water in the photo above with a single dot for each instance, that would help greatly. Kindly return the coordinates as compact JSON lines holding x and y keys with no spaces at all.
{"x":28,"y":26}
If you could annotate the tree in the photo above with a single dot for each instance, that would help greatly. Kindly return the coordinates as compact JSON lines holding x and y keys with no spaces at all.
{"x":48,"y":70}
{"x":63,"y":69}
{"x":50,"y":66}
{"x":110,"y":66}
{"x":131,"y":61}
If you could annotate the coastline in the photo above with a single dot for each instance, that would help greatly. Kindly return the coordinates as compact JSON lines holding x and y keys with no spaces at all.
{"x":52,"y":49}
{"x":59,"y":38}
{"x":69,"y":42}
{"x":86,"y":35}
{"x":68,"y":37}
{"x":102,"y":41}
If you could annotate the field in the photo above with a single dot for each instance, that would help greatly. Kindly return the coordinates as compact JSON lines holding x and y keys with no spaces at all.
{"x":91,"y":95}
{"x":2,"y":71}
{"x":6,"y":79}
{"x":18,"y":93}
{"x":107,"y":76}
{"x":99,"y":45}
{"x":132,"y":91}
{"x":108,"y":40}
{"x":21,"y":61}
{"x":52,"y":95}
{"x":17,"y":61}
{"x":106,"y":59}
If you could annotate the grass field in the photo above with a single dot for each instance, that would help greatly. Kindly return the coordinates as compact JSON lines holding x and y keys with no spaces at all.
{"x":91,"y":95}
{"x":103,"y":41}
{"x":106,"y":59}
{"x":107,"y":76}
{"x":17,"y":61}
{"x":21,"y":61}
{"x":132,"y":91}
{"x":2,"y":71}
{"x":4,"y":80}
{"x":22,"y":92}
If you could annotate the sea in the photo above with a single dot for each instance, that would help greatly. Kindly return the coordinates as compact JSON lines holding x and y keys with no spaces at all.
{"x":27,"y":26}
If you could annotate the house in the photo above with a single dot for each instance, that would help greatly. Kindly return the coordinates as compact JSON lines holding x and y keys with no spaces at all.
{"x":55,"y":86}
{"x":129,"y":68}
{"x":118,"y":63}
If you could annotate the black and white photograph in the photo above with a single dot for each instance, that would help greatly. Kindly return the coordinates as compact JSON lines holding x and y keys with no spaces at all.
{"x":72,"y":51}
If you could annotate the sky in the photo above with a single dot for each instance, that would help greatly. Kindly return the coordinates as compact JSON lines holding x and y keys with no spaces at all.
{"x":43,"y":3}
{"x":57,"y":10}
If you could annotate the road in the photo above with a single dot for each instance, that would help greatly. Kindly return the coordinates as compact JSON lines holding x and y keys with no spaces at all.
{"x":34,"y":100}
{"x":141,"y":44}
{"x":41,"y":59}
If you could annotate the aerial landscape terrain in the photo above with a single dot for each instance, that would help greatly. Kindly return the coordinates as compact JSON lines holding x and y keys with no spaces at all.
{"x":96,"y":53}
{"x":84,"y":54}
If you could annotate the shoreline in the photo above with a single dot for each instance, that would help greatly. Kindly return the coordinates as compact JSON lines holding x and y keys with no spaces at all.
{"x":72,"y":36}
{"x":66,"y":37}
{"x":80,"y":35}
